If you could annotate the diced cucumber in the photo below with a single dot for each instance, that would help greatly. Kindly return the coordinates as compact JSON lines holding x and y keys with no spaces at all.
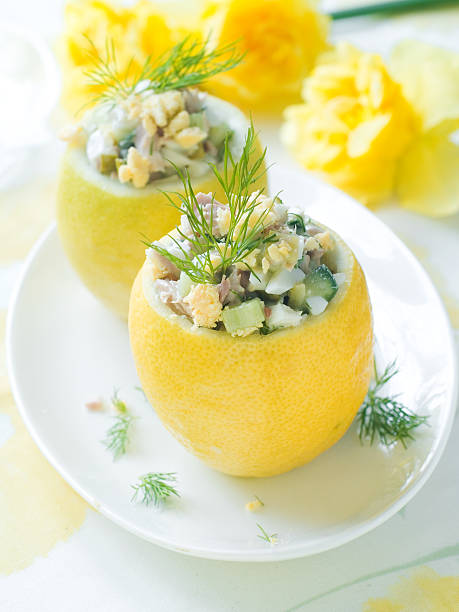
{"x":320,"y":282}
{"x":198,"y":120}
{"x":247,"y":314}
{"x":184,"y":284}
{"x":283,"y":316}
{"x":297,"y":297}
{"x":218,"y":133}
{"x":284,"y":280}
{"x":107,"y":163}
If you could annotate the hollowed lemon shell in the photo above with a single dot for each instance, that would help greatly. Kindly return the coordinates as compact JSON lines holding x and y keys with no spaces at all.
{"x":260,"y":405}
{"x":101,"y":222}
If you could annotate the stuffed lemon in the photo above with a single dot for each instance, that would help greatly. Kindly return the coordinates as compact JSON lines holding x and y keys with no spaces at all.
{"x":251,"y":330}
{"x":126,"y":151}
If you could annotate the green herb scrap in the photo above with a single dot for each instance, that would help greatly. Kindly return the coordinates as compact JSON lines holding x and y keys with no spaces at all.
{"x":384,"y":416}
{"x":297,"y":223}
{"x":117,"y":437}
{"x":259,"y":500}
{"x":118,"y":403}
{"x":244,"y":234}
{"x":155,"y":487}
{"x":271,"y":539}
{"x":187,"y":64}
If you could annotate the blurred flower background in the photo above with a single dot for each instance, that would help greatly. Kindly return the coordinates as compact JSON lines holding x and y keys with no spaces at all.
{"x":355,"y":123}
{"x":381,"y":129}
{"x":365,"y":125}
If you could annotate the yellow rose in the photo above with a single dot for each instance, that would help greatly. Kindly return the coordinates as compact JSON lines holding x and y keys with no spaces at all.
{"x":354,"y":126}
{"x":138,"y":31}
{"x":282,"y":39}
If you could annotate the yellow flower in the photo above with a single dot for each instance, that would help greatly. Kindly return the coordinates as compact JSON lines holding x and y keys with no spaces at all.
{"x":138,"y":31}
{"x":428,"y":176}
{"x":354,"y":126}
{"x":282,"y":39}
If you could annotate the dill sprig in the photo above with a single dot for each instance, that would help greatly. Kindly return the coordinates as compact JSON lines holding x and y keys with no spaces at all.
{"x":187,"y":64}
{"x":118,"y":403}
{"x":384,"y":416}
{"x":155,"y":487}
{"x":271,"y":539}
{"x":244,"y":234}
{"x":117,"y":437}
{"x":259,"y":500}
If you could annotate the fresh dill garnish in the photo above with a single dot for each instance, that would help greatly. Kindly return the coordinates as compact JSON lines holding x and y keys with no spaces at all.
{"x":384,"y":416}
{"x":117,"y":437}
{"x":296,"y":222}
{"x":271,"y":539}
{"x":259,"y":500}
{"x":118,"y":403}
{"x":244,"y":234}
{"x":140,"y":390}
{"x":155,"y":487}
{"x":187,"y":64}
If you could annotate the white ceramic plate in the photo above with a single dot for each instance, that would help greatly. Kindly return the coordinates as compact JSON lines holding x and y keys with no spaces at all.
{"x":65,"y":349}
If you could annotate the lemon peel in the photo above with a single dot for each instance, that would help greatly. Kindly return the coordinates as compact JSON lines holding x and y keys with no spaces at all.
{"x":226,"y":399}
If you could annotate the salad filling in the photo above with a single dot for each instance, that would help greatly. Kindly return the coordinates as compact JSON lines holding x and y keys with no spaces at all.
{"x":148,"y":136}
{"x":247,"y":268}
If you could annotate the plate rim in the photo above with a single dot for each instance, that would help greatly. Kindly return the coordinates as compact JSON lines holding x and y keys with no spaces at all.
{"x":263,"y":555}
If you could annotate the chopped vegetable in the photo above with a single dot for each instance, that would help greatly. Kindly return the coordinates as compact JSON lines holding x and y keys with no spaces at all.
{"x":247,"y":315}
{"x":107,"y":163}
{"x":297,"y":297}
{"x":320,"y":282}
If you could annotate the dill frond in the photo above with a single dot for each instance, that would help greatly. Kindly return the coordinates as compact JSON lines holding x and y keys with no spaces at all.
{"x":243,"y":237}
{"x":118,"y":403}
{"x":155,"y":487}
{"x":187,"y":64}
{"x":259,"y":500}
{"x":271,"y":539}
{"x":384,"y":416}
{"x":117,"y":437}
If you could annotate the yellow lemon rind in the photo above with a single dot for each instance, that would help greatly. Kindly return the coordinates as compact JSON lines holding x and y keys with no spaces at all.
{"x":259,"y":405}
{"x":102,"y":223}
